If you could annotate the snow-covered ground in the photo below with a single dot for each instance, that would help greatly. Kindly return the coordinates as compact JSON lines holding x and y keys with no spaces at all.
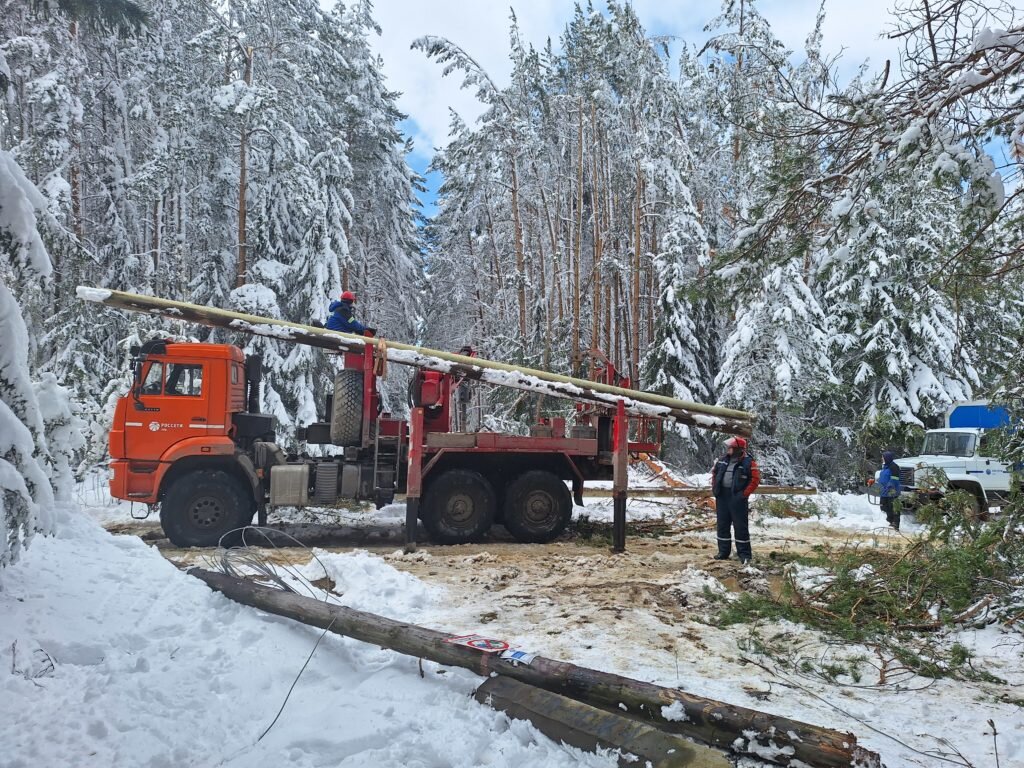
{"x":114,"y":657}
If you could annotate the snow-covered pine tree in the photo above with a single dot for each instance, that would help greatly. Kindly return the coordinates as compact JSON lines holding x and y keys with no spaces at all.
{"x":26,"y":498}
{"x":377,"y":242}
{"x":900,"y":342}
{"x":775,"y":358}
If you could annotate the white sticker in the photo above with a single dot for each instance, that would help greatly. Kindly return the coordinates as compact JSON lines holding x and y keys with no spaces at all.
{"x":517,"y":656}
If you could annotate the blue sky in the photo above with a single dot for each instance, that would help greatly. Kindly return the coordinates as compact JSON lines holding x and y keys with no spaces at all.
{"x":853,"y":29}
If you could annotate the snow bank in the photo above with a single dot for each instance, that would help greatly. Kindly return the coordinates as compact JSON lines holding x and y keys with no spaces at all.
{"x":119,"y":659}
{"x":367,"y":583}
{"x":849,"y":511}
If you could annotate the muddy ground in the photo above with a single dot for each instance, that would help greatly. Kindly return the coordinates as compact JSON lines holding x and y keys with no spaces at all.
{"x":576,"y":578}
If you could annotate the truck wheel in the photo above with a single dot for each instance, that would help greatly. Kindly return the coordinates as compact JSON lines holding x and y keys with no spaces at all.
{"x":537,"y":507}
{"x":977,"y":510}
{"x":202,"y":506}
{"x":347,"y":408}
{"x":458,"y":507}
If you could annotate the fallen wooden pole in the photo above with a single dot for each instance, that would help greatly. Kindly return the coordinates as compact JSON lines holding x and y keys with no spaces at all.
{"x":566,"y":720}
{"x":637,"y":402}
{"x":692,"y":493}
{"x":721,"y":725}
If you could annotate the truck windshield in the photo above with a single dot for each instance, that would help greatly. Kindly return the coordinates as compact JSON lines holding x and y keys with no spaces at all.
{"x":948,"y":444}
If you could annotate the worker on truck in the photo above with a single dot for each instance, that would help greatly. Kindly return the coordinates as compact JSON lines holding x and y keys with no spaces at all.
{"x":341,"y":318}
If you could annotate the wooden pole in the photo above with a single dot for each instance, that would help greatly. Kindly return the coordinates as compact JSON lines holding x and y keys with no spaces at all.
{"x":620,"y":482}
{"x":566,"y":720}
{"x":716,"y":723}
{"x":414,"y":478}
{"x":637,"y":403}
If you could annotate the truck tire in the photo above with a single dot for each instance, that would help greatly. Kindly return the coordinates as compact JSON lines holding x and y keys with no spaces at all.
{"x":458,"y":507}
{"x":977,"y":512}
{"x":537,"y":507}
{"x":204,"y":508}
{"x":347,"y":408}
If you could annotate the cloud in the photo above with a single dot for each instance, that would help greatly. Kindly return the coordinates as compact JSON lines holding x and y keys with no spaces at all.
{"x":482,"y":30}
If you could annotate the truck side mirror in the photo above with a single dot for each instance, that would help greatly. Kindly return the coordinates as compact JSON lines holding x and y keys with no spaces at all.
{"x":137,"y":379}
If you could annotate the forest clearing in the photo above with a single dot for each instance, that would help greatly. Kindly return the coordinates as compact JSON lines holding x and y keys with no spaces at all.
{"x":448,"y":385}
{"x":651,"y":613}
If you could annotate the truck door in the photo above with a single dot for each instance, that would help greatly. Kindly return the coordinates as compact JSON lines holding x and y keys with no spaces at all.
{"x":993,"y":474}
{"x":172,"y":404}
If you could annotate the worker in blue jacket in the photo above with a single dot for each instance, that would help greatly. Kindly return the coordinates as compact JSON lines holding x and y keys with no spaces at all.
{"x":341,"y":318}
{"x":889,"y":489}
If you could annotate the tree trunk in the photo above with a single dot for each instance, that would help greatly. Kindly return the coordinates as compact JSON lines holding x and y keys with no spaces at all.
{"x":634,"y":363}
{"x":595,"y":213}
{"x":243,"y":159}
{"x":576,"y":359}
{"x":517,"y":240}
{"x":713,"y":722}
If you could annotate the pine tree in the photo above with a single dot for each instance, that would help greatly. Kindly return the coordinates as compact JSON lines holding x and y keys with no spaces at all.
{"x":26,"y":499}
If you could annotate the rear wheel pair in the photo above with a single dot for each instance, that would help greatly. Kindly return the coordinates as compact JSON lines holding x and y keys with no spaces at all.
{"x":460,"y":505}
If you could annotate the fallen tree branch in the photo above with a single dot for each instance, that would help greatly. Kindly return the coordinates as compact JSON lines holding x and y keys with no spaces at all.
{"x":713,"y":722}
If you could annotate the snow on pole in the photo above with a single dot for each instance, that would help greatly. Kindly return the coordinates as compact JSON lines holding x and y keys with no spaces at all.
{"x":637,"y":403}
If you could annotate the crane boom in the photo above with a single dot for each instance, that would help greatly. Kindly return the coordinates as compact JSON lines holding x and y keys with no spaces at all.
{"x":637,"y":402}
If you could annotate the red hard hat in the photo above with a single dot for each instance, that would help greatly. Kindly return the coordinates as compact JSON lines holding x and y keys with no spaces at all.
{"x":736,"y":442}
{"x":348,"y":296}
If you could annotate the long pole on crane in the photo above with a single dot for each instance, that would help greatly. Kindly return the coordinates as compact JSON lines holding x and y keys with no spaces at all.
{"x":636,"y":402}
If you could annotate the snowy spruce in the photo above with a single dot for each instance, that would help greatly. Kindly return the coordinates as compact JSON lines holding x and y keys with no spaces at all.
{"x":734,"y":225}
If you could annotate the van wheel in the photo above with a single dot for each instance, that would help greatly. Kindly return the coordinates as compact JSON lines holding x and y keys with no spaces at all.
{"x":537,"y":507}
{"x":205,"y":508}
{"x":458,"y":507}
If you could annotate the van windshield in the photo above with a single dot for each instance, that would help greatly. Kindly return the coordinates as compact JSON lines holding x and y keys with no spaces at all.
{"x":948,"y":444}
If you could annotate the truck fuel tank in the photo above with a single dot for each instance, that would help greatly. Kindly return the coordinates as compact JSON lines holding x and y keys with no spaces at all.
{"x":289,"y":485}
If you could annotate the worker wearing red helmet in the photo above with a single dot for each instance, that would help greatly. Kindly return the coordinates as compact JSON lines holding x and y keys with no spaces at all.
{"x":341,"y":315}
{"x":733,"y":479}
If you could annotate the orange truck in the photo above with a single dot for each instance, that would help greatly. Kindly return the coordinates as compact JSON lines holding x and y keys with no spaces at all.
{"x":189,"y":440}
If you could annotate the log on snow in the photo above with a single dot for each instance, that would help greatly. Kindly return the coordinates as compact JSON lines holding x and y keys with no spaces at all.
{"x":566,"y":720}
{"x":638,"y":403}
{"x":694,"y":493}
{"x":713,"y":722}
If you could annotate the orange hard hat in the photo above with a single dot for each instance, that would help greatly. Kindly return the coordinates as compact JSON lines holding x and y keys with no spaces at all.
{"x":348,"y":296}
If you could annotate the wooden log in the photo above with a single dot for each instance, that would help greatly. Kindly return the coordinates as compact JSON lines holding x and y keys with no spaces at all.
{"x":712,"y":722}
{"x":566,"y":720}
{"x":637,"y":403}
{"x":692,"y":493}
{"x":287,"y":534}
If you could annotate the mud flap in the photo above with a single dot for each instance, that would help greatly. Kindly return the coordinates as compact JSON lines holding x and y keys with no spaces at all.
{"x":577,"y":492}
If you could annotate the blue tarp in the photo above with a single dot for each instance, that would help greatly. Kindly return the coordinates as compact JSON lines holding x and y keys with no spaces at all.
{"x":979,"y":415}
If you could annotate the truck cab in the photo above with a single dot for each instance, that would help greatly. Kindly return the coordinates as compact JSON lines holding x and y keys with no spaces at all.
{"x":959,"y":457}
{"x":181,"y":404}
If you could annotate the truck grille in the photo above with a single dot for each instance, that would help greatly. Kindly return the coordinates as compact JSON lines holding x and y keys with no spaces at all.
{"x":907,"y":477}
